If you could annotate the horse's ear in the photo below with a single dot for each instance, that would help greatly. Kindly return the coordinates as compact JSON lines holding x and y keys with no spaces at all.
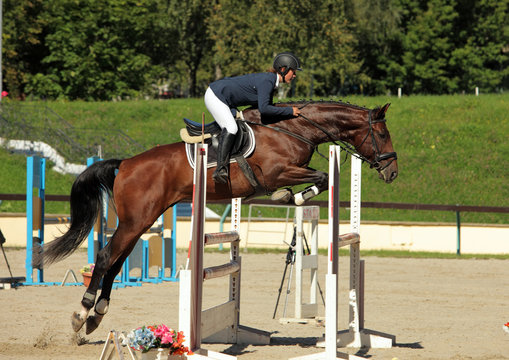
{"x":380,"y":112}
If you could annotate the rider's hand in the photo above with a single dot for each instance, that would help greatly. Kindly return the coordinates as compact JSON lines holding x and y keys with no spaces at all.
{"x":296,"y":111}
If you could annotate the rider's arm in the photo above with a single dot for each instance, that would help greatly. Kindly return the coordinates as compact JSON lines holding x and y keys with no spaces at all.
{"x":265,"y":89}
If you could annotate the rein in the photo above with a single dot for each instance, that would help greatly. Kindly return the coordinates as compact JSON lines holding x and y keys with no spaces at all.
{"x":348,"y":148}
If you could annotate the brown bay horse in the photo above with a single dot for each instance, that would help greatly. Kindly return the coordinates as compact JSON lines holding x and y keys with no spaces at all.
{"x":144,"y":186}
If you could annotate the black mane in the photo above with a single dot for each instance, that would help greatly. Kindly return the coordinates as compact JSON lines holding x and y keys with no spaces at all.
{"x":333,"y":102}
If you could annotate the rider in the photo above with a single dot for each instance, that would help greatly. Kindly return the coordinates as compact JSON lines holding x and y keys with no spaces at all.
{"x":251,"y":89}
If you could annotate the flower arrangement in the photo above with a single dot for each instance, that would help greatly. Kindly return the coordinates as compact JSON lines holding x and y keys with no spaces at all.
{"x":506,"y":327}
{"x":157,"y":336}
{"x":87,"y":268}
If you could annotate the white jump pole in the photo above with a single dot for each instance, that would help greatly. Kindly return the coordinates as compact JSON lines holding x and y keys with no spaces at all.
{"x":356,"y":335}
{"x":308,"y":262}
{"x":354,"y":324}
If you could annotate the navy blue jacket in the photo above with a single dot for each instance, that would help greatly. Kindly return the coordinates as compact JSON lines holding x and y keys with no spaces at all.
{"x":251,"y":89}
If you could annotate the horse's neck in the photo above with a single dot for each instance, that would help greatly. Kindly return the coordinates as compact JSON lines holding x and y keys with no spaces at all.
{"x":344,"y":116}
{"x":336,"y":121}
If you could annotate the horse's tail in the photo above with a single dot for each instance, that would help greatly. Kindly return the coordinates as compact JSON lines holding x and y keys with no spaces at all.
{"x":86,"y":198}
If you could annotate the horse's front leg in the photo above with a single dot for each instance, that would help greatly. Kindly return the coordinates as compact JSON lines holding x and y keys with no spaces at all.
{"x":296,"y":176}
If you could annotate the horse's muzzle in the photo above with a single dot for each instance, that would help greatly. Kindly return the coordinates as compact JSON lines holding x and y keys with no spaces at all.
{"x":390,"y":172}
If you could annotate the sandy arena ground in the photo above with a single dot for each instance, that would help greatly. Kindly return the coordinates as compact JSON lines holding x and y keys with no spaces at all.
{"x":438,"y":309}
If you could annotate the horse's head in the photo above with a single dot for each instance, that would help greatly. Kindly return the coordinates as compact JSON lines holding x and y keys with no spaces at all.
{"x":373,"y":142}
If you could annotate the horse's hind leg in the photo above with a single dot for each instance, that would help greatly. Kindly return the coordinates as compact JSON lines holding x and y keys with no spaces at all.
{"x":108,"y":264}
{"x":88,"y":300}
{"x":102,"y":305}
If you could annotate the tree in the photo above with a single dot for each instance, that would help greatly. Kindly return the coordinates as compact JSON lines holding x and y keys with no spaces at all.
{"x":244,"y":35}
{"x":23,"y":43}
{"x":483,"y":60}
{"x":101,"y":50}
{"x":429,"y":46}
{"x":375,"y":24}
{"x":314,"y":30}
{"x":337,"y":54}
{"x":188,"y":19}
{"x":92,"y":49}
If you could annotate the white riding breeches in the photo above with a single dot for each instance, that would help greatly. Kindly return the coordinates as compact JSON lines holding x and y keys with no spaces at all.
{"x":220,"y":112}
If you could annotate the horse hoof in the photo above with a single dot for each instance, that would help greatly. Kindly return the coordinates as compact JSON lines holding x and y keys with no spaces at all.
{"x":93,"y":323}
{"x":77,"y":321}
{"x":283,"y":196}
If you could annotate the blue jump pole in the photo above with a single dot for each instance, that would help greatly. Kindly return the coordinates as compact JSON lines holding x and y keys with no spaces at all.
{"x":35,"y":219}
{"x":35,"y":204}
{"x":35,"y":210}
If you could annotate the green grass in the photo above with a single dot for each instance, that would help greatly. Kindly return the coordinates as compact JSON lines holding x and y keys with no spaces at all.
{"x":150,"y":122}
{"x":451,"y":150}
{"x":13,"y":181}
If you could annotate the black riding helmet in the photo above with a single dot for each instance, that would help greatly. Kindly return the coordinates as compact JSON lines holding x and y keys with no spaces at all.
{"x":286,"y":60}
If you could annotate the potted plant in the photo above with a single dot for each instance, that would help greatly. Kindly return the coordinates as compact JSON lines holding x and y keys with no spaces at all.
{"x":86,"y":271}
{"x":157,"y":342}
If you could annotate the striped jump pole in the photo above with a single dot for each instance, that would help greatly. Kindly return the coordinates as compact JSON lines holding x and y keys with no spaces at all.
{"x":356,"y":335}
{"x":220,"y":323}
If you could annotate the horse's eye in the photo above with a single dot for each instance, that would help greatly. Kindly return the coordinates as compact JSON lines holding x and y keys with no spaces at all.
{"x":382,"y":135}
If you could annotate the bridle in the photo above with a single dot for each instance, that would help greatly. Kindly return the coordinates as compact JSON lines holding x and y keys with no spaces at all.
{"x":378,"y":156}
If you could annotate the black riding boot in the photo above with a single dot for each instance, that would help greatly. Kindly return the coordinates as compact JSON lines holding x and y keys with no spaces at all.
{"x":226,"y":142}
